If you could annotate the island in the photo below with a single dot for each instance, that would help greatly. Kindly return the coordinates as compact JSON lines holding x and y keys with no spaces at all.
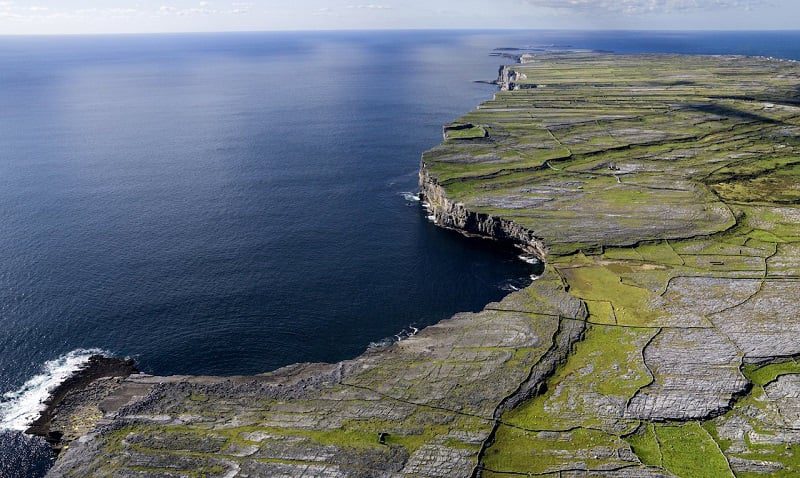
{"x":662,"y":195}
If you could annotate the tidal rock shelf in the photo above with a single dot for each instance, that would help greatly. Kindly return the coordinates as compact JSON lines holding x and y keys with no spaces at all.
{"x":661,"y":339}
{"x":64,"y":416}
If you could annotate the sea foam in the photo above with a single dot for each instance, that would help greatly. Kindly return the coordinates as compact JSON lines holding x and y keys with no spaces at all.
{"x":533,"y":260}
{"x":19,"y":408}
{"x":410,"y":197}
{"x":404,"y":334}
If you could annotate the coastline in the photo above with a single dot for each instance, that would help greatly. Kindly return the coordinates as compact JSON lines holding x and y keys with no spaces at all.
{"x":449,"y":215}
{"x":80,"y":389}
{"x":453,"y":398}
{"x":91,"y":383}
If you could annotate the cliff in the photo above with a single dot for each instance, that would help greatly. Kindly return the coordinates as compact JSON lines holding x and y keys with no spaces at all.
{"x":662,"y":191}
{"x":445,"y":213}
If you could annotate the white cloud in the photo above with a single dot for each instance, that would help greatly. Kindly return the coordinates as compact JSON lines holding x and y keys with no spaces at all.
{"x":334,"y":12}
{"x":324,"y":11}
{"x":239,"y":8}
{"x":636,"y":7}
{"x":369,"y":6}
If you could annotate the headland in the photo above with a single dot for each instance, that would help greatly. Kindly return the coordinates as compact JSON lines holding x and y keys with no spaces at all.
{"x":661,"y":191}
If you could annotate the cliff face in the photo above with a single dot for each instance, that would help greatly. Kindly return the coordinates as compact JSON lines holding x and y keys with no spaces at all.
{"x":631,"y":170}
{"x":659,"y":341}
{"x":510,"y":79}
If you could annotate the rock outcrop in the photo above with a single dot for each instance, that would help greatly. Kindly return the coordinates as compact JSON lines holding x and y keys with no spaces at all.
{"x":659,"y":341}
{"x":448,"y":214}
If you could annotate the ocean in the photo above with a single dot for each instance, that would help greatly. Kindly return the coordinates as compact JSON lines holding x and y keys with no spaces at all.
{"x":232,"y":203}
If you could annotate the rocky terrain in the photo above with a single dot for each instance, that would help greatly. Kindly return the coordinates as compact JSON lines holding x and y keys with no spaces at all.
{"x":663,"y":194}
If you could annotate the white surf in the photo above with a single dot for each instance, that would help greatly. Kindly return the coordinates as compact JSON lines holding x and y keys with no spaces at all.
{"x":19,"y":408}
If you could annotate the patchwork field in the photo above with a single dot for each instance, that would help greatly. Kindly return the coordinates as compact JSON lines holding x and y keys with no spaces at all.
{"x":663,"y":193}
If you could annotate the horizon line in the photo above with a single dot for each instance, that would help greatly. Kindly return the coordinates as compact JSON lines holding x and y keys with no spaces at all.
{"x":368,"y":30}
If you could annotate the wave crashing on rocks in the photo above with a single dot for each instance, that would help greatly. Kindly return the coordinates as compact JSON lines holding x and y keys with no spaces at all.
{"x":21,"y":407}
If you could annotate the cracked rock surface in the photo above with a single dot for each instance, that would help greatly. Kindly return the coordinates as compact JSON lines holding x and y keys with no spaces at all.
{"x":660,"y":341}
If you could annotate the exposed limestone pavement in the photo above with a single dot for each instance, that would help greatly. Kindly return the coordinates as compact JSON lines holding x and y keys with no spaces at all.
{"x":664,"y":192}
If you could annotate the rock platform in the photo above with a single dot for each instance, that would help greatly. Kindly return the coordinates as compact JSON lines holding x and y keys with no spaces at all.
{"x":663,"y":193}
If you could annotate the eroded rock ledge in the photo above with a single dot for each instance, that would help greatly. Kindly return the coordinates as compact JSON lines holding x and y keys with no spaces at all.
{"x":659,"y":341}
{"x":451,"y":215}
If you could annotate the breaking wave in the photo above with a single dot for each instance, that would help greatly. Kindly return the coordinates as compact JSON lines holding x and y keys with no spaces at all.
{"x":404,"y":334}
{"x":530,"y":259}
{"x":410,"y":197}
{"x":19,"y":408}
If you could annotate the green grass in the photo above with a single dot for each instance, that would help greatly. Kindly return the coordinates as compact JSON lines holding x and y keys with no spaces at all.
{"x":468,"y":133}
{"x":530,"y":452}
{"x":645,"y":444}
{"x":354,"y":434}
{"x":781,"y":186}
{"x":762,"y":375}
{"x":660,"y":253}
{"x":607,"y":363}
{"x":631,"y":304}
{"x":688,"y":451}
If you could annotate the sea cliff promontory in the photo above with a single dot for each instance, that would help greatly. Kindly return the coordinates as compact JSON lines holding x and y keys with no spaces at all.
{"x":662,"y":194}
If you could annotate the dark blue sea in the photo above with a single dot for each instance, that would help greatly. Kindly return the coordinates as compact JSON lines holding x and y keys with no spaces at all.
{"x":232,"y":203}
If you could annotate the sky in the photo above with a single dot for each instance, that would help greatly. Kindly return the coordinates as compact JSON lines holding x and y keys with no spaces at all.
{"x":147,"y":16}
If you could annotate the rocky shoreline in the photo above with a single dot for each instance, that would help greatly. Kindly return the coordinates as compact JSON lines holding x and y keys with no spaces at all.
{"x":88,"y":386}
{"x":659,"y":341}
{"x":450,"y":215}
